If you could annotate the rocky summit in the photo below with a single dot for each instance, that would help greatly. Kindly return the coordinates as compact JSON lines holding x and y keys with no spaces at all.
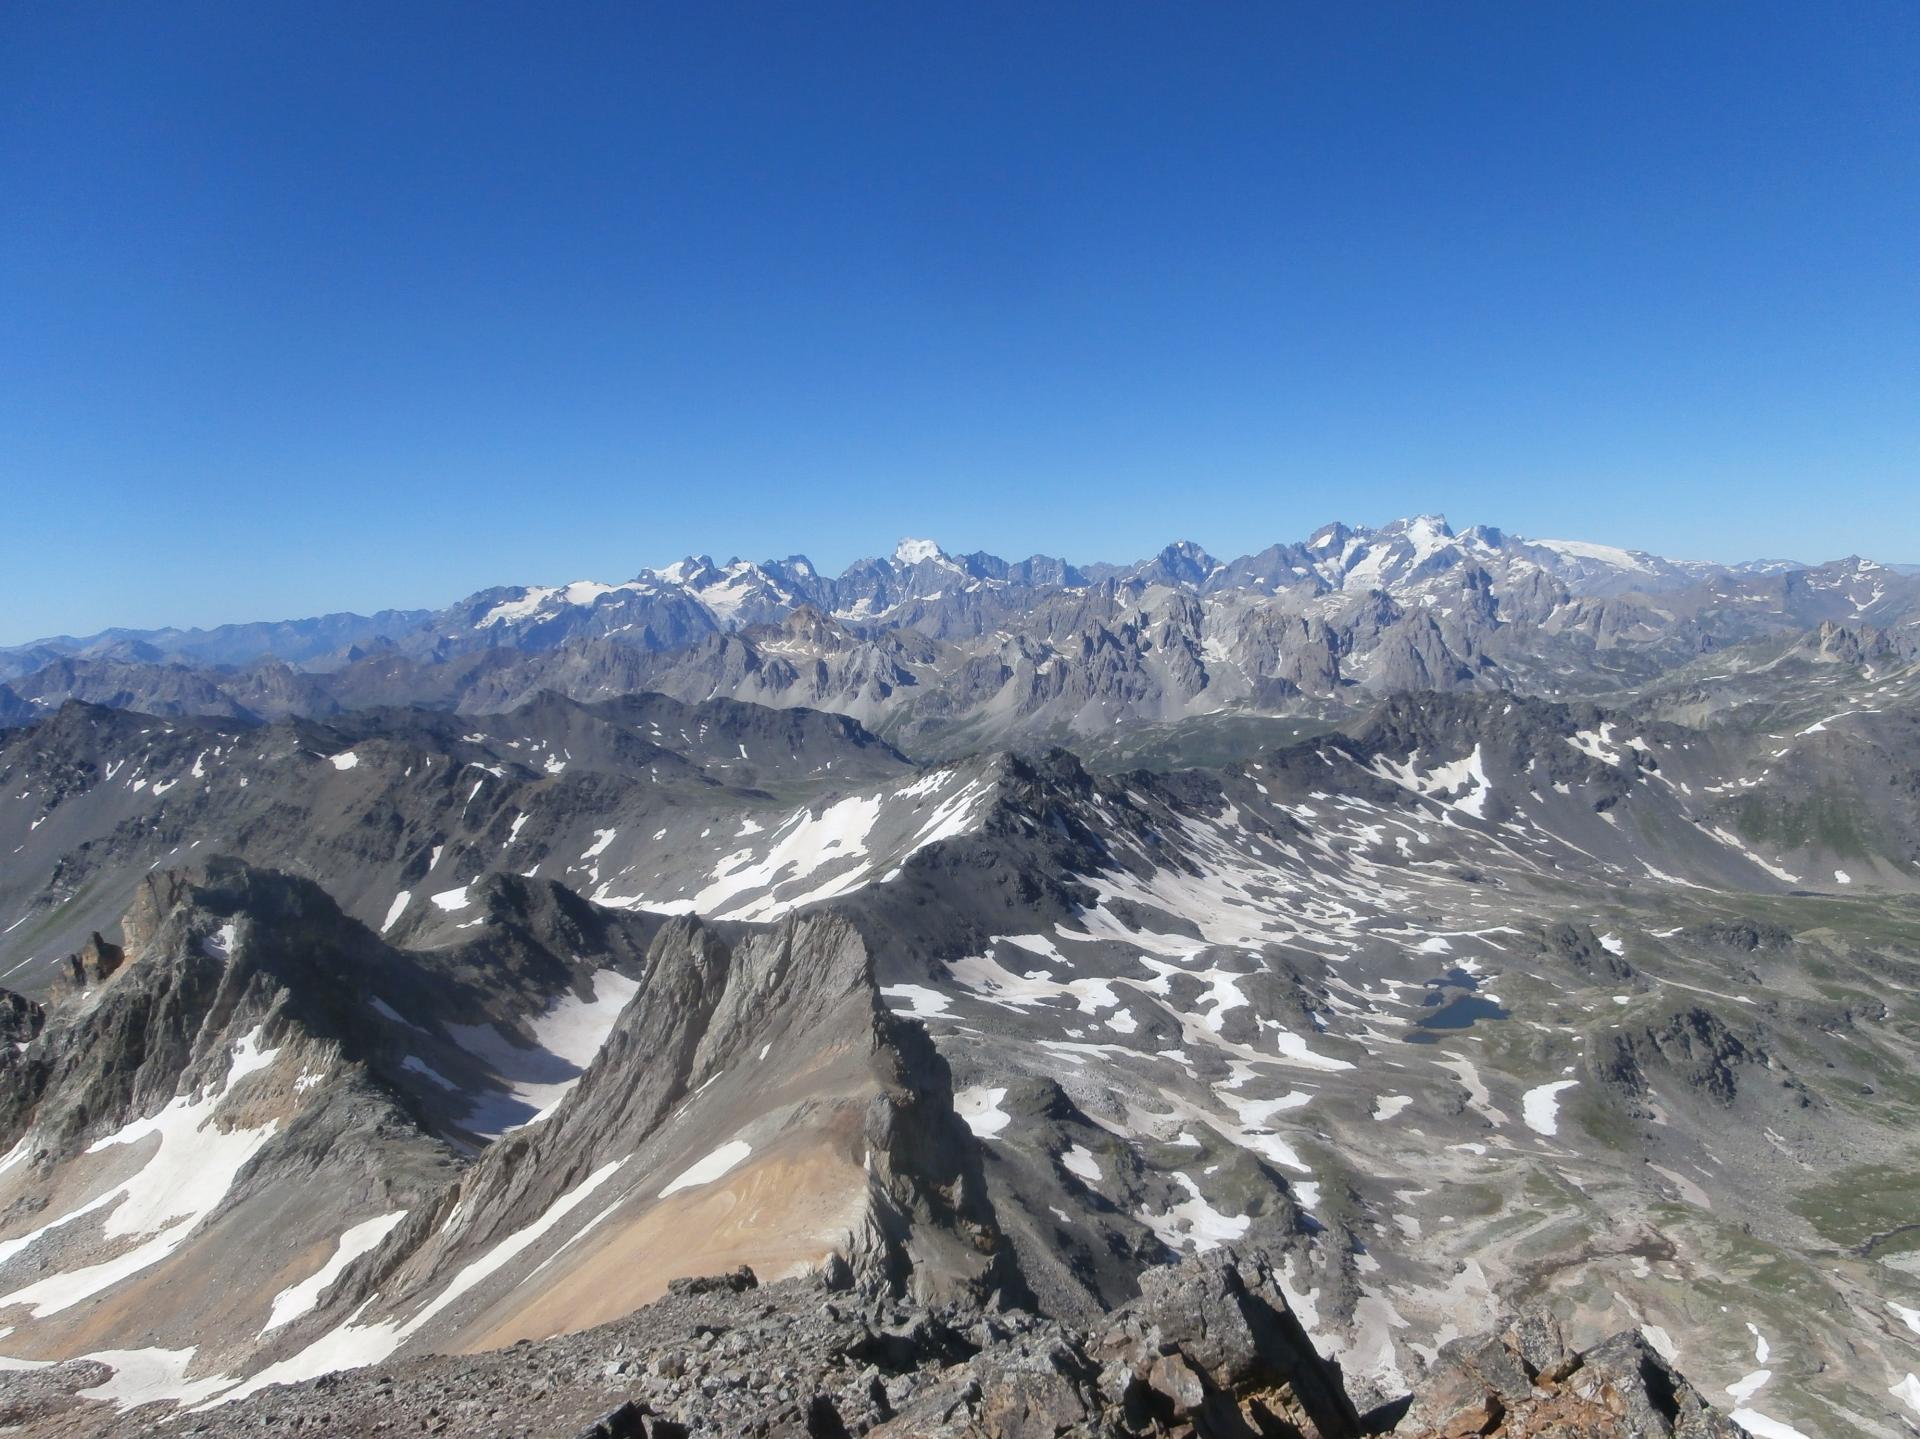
{"x":1404,"y":981}
{"x":1209,"y":1348}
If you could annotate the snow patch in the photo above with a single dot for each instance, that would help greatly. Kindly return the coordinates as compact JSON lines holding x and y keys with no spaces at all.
{"x":290,"y":1303}
{"x":532,"y":1079}
{"x":1194,"y":1221}
{"x":143,"y":1376}
{"x":1907,"y":1391}
{"x":712,"y":1167}
{"x":395,"y":910}
{"x":916,"y":1001}
{"x":1540,"y":1107}
{"x":979,"y":1108}
{"x":1079,"y":1162}
{"x":1761,"y":1427}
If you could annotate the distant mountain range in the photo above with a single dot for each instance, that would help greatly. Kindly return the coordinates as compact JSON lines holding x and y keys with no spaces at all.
{"x":943,"y":653}
{"x":1393,"y":559}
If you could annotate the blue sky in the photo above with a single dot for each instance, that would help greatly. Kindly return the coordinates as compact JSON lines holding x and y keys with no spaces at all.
{"x":339,"y":306}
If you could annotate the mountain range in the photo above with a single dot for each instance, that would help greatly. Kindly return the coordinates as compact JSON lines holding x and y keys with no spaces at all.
{"x":946,"y":655}
{"x":1403,"y":981}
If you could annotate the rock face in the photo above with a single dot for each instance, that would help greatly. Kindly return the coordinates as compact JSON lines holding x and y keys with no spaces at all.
{"x":754,"y":1103}
{"x":200,"y":1119}
{"x":197,"y":1143}
{"x":20,"y":1019}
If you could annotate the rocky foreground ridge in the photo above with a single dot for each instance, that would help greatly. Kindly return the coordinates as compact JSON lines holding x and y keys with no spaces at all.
{"x":1210,"y":1348}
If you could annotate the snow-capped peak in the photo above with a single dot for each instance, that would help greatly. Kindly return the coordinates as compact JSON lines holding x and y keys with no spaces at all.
{"x":916,"y":552}
{"x":541,"y":599}
{"x":682,"y":571}
{"x":1602,"y":554}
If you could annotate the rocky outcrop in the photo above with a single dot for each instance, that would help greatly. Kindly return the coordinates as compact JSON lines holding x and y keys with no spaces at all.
{"x":1525,"y":1383}
{"x":1577,"y":945}
{"x":1515,"y":736}
{"x":1691,"y":1046}
{"x":751,"y":1101}
{"x":1861,"y":644}
{"x":94,"y":964}
{"x":1744,"y":935}
{"x":1209,"y":1348}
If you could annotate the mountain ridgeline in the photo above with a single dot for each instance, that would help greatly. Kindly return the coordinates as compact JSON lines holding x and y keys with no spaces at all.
{"x":947,"y":655}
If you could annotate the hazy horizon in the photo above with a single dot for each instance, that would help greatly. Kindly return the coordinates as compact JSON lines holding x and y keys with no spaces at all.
{"x":1012,"y":555}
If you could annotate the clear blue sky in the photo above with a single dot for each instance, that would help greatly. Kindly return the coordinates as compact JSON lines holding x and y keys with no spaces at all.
{"x":322,"y":306}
